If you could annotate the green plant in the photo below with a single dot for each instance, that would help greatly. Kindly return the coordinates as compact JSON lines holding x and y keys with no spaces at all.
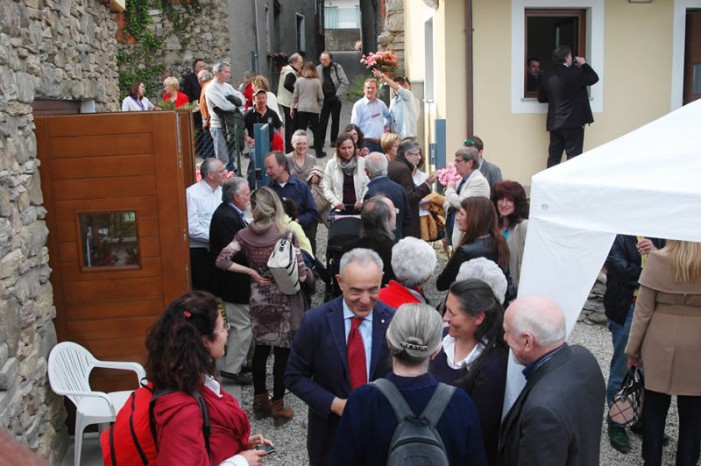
{"x":355,"y":88}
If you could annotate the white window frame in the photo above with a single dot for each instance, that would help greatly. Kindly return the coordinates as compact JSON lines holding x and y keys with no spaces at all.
{"x":594,"y":53}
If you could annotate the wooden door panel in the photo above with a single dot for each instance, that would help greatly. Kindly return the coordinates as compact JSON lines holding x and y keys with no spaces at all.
{"x":108,"y":166}
{"x":144,"y":185}
{"x":73,"y":271}
{"x":109,"y":289}
{"x":129,"y":165}
{"x":115,"y":309}
{"x":66,"y":210}
{"x":94,"y":329}
{"x":81,"y":146}
{"x":122,"y":124}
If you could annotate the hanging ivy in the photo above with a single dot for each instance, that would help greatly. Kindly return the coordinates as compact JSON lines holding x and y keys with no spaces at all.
{"x":140,"y":56}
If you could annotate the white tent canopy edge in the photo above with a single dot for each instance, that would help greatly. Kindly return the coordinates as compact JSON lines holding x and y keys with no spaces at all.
{"x":647,"y":182}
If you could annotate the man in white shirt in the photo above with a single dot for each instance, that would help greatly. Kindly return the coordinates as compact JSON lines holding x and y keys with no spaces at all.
{"x":216,"y":96}
{"x":402,"y":107}
{"x":371,"y":115}
{"x":203,"y":198}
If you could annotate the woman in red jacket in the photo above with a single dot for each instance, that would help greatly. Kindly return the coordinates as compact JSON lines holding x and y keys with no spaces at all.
{"x":172,"y":92}
{"x":183,"y":346}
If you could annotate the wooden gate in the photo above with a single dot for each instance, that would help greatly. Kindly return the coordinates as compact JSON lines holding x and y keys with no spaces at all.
{"x":114,"y":190}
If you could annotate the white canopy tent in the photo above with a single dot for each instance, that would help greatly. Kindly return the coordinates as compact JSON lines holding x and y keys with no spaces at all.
{"x":647,"y":182}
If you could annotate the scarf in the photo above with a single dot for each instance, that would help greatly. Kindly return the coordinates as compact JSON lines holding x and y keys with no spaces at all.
{"x":348,"y":167}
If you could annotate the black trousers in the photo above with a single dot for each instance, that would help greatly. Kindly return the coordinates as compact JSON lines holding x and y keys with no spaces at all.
{"x":571,"y":140}
{"x":202,"y":269}
{"x":260,"y":362}
{"x":304,"y":119}
{"x":332,"y":107}
{"x":289,"y":124}
{"x":655,"y":409}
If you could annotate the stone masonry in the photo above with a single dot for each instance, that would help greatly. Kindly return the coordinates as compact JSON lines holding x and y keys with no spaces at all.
{"x":392,"y":37}
{"x":206,"y":37}
{"x":49,"y":49}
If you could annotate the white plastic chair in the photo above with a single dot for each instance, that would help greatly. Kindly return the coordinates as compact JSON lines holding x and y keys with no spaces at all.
{"x":69,"y":371}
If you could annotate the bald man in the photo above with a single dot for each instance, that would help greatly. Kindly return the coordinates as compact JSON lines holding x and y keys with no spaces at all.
{"x":556,"y":420}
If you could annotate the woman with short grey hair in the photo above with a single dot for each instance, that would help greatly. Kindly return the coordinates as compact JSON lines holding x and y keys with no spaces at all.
{"x":481,"y":268}
{"x":413,"y":263}
{"x":300,"y":162}
{"x":368,"y":423}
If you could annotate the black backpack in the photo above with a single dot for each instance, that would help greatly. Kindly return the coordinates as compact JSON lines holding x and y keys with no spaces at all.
{"x":416,"y":442}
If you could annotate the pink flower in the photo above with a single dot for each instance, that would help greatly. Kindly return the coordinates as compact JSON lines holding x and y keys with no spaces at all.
{"x":448,"y":174}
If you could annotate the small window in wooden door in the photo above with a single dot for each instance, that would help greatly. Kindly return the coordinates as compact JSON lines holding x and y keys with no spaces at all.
{"x":109,"y":239}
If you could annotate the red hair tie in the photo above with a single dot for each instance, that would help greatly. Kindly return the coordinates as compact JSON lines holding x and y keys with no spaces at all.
{"x":187,"y":314}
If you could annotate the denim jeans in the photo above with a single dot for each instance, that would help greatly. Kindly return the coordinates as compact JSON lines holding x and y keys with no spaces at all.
{"x":221,"y":149}
{"x":619,"y":360}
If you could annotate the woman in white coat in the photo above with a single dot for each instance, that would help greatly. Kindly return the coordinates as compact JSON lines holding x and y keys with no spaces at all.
{"x":345,"y":182}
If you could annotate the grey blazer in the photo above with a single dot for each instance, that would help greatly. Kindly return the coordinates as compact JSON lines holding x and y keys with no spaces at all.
{"x":556,"y":420}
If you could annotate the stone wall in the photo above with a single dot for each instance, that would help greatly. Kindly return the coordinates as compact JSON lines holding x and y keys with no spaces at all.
{"x":206,"y":37}
{"x":392,"y":37}
{"x":49,"y":49}
{"x":341,"y":40}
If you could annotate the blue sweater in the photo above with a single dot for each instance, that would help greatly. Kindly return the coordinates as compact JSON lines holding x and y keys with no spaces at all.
{"x":368,"y":423}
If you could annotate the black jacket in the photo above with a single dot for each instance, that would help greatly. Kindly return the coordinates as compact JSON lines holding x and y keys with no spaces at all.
{"x":622,"y":273}
{"x":229,"y":286}
{"x":564,"y":88}
{"x":394,"y":192}
{"x":484,"y":247}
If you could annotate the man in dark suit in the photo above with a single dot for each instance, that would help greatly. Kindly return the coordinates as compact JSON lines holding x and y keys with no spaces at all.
{"x":564,"y":88}
{"x":288,"y":186}
{"x":233,"y":288}
{"x":380,"y":184}
{"x":556,"y":420}
{"x":328,"y":360}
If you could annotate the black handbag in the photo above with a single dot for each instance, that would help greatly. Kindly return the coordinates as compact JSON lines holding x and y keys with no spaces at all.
{"x":627,"y":405}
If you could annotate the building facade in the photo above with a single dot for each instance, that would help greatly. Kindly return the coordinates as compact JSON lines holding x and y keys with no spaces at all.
{"x":471,"y":56}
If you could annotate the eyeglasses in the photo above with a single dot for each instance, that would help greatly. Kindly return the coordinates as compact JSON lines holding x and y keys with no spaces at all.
{"x":470,"y":142}
{"x":225,"y":328}
{"x":415,"y":153}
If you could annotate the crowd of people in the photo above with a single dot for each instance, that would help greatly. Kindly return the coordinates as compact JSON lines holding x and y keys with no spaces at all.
{"x":382,"y":326}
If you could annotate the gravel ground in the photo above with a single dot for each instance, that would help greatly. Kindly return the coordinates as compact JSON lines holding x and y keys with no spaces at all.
{"x":290,"y":439}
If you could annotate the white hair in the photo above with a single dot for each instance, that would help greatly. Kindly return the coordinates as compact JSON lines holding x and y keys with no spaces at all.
{"x":376,"y":164}
{"x":360,"y":256}
{"x":541,"y":317}
{"x":488,"y":271}
{"x":413,"y":261}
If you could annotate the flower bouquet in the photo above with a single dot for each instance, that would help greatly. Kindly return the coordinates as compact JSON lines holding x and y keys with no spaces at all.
{"x":448,"y":174}
{"x":385,"y":62}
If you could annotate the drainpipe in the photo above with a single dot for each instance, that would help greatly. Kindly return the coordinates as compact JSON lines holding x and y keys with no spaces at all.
{"x":469,"y":68}
{"x":254,"y":52}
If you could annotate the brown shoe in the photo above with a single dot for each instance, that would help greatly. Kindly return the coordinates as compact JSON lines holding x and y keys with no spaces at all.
{"x":281,"y":413}
{"x":262,"y":407}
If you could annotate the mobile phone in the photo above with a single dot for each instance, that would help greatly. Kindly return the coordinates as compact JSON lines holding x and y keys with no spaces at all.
{"x":268,"y":449}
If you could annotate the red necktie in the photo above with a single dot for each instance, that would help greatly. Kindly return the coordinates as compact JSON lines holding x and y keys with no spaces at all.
{"x":356,"y":355}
